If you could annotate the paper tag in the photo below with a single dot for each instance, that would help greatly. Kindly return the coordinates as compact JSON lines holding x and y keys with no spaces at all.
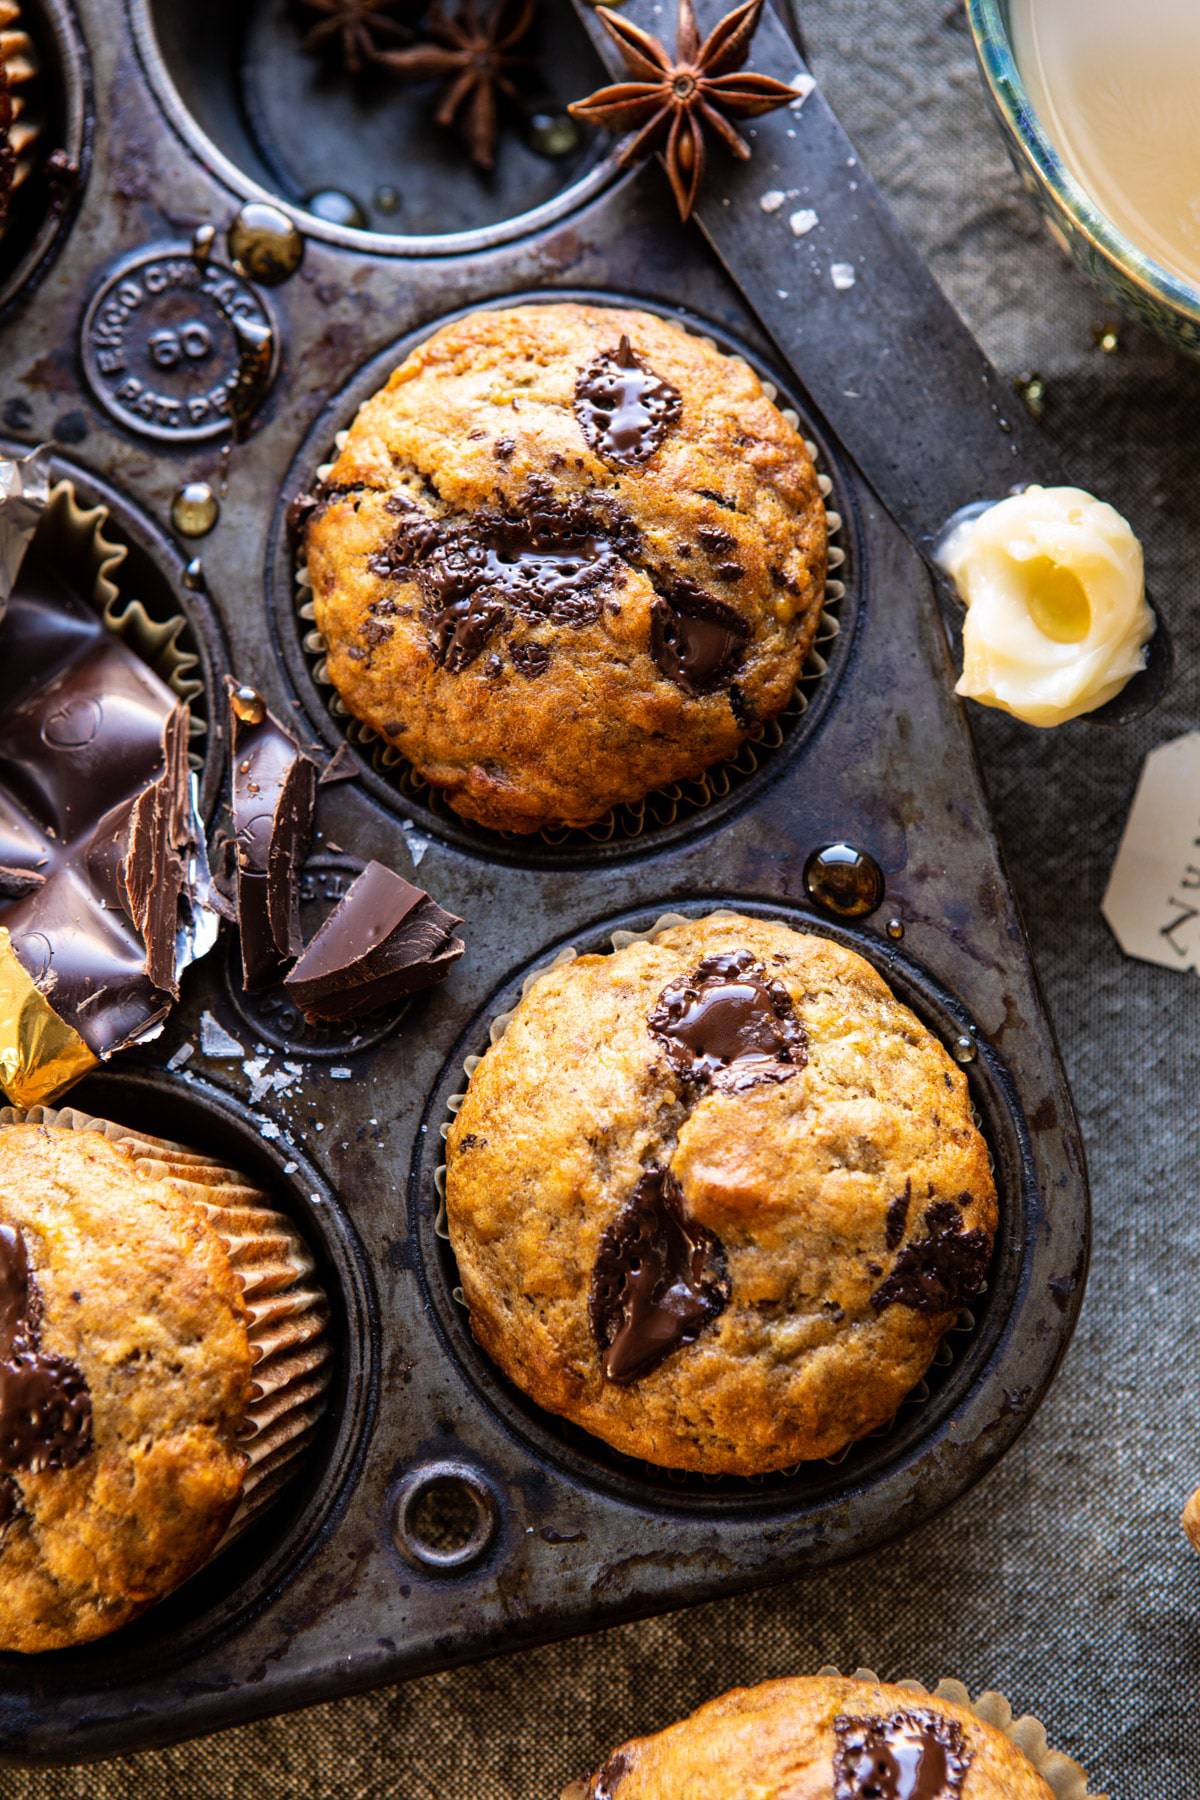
{"x":1153,"y":897}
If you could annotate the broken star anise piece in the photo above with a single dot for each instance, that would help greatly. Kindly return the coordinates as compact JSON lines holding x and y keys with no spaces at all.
{"x":670,"y":101}
{"x":473,"y":53}
{"x":357,"y":29}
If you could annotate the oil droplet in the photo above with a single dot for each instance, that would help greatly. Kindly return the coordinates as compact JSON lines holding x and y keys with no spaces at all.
{"x":895,"y":928}
{"x":193,"y":576}
{"x":552,"y":134}
{"x":387,"y":199}
{"x":336,"y":208}
{"x":265,"y":244}
{"x":195,"y":509}
{"x":964,"y":1048}
{"x":843,"y":880}
{"x":1032,"y":390}
{"x":248,"y":705}
{"x":203,"y":239}
{"x":1107,"y":338}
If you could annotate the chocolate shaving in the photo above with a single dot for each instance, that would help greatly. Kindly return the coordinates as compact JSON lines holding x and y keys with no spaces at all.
{"x":153,"y":876}
{"x":273,"y":799}
{"x":728,"y":1027}
{"x":916,"y":1754}
{"x":342,"y":766}
{"x":384,"y":940}
{"x":659,"y":1279}
{"x":942,"y":1271}
{"x":624,"y":409}
{"x":45,"y":1402}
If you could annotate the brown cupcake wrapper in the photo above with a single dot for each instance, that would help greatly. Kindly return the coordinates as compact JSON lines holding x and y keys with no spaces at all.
{"x":944,"y":1355}
{"x":287,"y":1312}
{"x":20,"y":59}
{"x":662,"y":806}
{"x":1062,"y":1775}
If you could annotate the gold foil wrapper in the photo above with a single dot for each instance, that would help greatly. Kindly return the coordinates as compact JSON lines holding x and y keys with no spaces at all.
{"x":40,"y":1055}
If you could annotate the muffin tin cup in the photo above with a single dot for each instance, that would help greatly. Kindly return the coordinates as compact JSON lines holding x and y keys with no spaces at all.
{"x":661,"y":811}
{"x":286,"y":1312}
{"x":1065,"y":1778}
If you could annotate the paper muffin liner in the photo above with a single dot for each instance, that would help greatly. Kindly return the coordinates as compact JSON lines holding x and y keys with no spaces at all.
{"x":1062,"y":1775}
{"x":943,"y":1357}
{"x":661,"y":807}
{"x":76,"y":539}
{"x":287,"y":1314}
{"x":20,"y":60}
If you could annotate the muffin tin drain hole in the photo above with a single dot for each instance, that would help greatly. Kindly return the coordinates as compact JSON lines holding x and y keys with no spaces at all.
{"x":357,"y":155}
{"x":666,"y":814}
{"x":444,"y":1517}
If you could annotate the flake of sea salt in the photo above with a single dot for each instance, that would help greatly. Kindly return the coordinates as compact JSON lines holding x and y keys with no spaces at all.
{"x":772,"y":200}
{"x":804,"y":85}
{"x":803,"y":221}
{"x":216,"y":1042}
{"x":842,"y":275}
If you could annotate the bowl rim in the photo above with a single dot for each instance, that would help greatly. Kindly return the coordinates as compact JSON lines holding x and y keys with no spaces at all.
{"x":989,"y":24}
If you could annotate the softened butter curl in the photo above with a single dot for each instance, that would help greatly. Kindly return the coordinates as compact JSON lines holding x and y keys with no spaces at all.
{"x":1057,"y":618}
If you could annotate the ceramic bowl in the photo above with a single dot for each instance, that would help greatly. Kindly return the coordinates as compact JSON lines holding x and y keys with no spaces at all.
{"x":1164,"y":301}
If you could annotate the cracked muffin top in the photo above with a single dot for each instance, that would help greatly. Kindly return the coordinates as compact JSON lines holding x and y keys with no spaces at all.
{"x":823,"y":1737}
{"x":568,"y":554}
{"x":717,"y":1197}
{"x":125,"y":1369}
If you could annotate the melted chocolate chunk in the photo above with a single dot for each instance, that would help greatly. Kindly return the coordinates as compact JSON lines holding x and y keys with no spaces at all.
{"x":897,"y":1218}
{"x":716,"y":540}
{"x":912,"y":1755}
{"x":696,"y":641}
{"x":940,"y":1272}
{"x":273,"y":798}
{"x":45,"y":1403}
{"x":530,"y":658}
{"x":604,"y":1785}
{"x":624,"y":409}
{"x":728,"y":1027}
{"x":659,"y":1280}
{"x":384,"y":940}
{"x":551,"y":559}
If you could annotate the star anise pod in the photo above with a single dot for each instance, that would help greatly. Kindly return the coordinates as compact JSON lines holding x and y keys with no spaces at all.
{"x":671,"y":100}
{"x":473,"y":53}
{"x":356,"y":28}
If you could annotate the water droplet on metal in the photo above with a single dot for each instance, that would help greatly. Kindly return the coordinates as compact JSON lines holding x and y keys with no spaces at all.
{"x":203,"y":239}
{"x":193,"y":576}
{"x":964,"y":1048}
{"x":843,"y":880}
{"x":552,"y":134}
{"x":1032,"y":390}
{"x":265,"y":244}
{"x":336,"y":208}
{"x":387,"y":199}
{"x":248,"y":705}
{"x":195,"y":509}
{"x":1107,"y":338}
{"x":895,"y":928}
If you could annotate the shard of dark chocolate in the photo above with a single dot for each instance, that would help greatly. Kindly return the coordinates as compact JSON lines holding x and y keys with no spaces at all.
{"x":274,"y":792}
{"x":153,"y":875}
{"x":384,"y":940}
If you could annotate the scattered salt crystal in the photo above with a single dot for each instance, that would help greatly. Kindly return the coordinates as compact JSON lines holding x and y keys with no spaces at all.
{"x":842,"y":275}
{"x":803,"y":221}
{"x":772,"y":200}
{"x":317,"y":1125}
{"x":340,"y":1074}
{"x":315,"y":1199}
{"x":182,"y":1055}
{"x":782,"y":292}
{"x":268,"y":1128}
{"x":804,"y":85}
{"x":215,"y":1041}
{"x":418,"y":844}
{"x":289,"y":1168}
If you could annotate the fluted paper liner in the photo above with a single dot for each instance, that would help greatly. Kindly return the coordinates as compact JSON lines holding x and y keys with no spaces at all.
{"x":287,"y":1315}
{"x":1064,"y":1777}
{"x":20,"y":60}
{"x":620,"y":939}
{"x":661,"y":806}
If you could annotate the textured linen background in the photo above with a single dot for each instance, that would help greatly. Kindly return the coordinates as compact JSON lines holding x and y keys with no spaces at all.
{"x":1064,"y":1580}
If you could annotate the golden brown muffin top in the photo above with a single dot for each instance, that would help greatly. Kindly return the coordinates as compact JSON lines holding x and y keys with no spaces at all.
{"x":823,"y":1738}
{"x":129,"y":1287}
{"x":567,"y":554}
{"x":717,"y":1197}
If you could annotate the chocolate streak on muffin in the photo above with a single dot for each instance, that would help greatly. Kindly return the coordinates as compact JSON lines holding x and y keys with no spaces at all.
{"x":943,"y":1270}
{"x":45,"y":1402}
{"x":896,"y":1219}
{"x":912,"y":1755}
{"x":659,"y":1280}
{"x":384,"y":940}
{"x":697,"y":642}
{"x":274,"y":791}
{"x":624,"y":409}
{"x":728,"y":1027}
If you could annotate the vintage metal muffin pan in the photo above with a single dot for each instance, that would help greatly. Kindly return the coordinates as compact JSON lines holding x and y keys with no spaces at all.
{"x":443,"y":1516}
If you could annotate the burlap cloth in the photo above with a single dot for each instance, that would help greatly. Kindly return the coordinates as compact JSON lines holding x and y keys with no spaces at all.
{"x":1064,"y":1580}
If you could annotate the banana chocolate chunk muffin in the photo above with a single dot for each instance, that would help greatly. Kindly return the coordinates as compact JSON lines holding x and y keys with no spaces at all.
{"x":569,"y":553}
{"x":826,"y":1737}
{"x":717,"y":1196}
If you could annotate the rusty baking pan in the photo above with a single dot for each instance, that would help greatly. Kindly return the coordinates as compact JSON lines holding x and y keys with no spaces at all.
{"x":443,"y":1517}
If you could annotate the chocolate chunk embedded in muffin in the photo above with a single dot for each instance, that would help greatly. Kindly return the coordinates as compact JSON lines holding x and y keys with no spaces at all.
{"x":716,"y":1197}
{"x":825,"y":1737}
{"x":568,"y":554}
{"x":163,"y":1360}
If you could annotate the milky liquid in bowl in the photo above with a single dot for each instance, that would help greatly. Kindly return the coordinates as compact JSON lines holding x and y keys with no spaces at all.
{"x":1116,"y":86}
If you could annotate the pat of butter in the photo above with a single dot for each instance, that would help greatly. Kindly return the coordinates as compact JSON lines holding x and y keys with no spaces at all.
{"x":1057,"y":618}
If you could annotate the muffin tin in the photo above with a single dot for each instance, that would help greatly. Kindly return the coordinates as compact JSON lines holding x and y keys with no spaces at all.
{"x":443,"y":1517}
